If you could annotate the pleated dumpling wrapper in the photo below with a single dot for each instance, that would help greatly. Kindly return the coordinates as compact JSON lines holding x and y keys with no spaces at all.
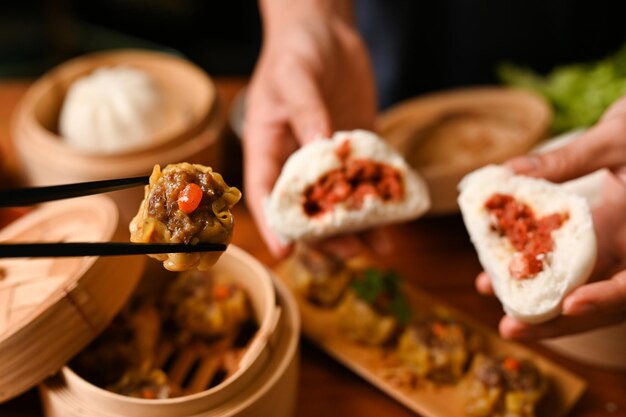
{"x":185,"y":203}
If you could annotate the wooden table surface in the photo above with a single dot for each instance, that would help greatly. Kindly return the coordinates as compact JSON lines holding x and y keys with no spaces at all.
{"x":432,"y":253}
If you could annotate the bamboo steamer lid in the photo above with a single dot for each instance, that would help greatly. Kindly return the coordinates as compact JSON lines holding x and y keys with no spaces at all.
{"x":446,"y":135}
{"x":51,"y":308}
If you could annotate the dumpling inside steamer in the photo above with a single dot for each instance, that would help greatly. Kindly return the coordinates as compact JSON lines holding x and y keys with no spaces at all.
{"x":172,"y":339}
{"x":185,"y":203}
{"x":113,"y":109}
{"x":205,"y":308}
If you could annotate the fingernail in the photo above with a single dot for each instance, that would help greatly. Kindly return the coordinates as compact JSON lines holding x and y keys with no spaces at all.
{"x":621,"y":174}
{"x":573,"y":309}
{"x":483,"y":284}
{"x":517,"y":334}
{"x":510,"y":328}
{"x":523,"y":164}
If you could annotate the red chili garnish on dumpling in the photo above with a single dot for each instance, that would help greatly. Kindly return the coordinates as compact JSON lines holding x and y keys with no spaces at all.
{"x":438,"y":329}
{"x":189,"y":198}
{"x":221,"y":292}
{"x":511,"y":364}
{"x":148,"y":393}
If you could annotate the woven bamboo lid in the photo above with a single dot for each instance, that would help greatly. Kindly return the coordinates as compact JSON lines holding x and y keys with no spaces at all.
{"x":445,"y":135}
{"x":51,"y":308}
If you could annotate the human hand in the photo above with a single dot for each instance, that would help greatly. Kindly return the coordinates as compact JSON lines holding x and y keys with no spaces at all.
{"x":313,"y":77}
{"x":602,"y":301}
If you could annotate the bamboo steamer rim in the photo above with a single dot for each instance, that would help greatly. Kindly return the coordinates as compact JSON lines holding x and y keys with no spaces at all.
{"x":51,"y":308}
{"x":279,"y":341}
{"x":92,"y":167}
{"x":24,"y":230}
{"x":59,"y":399}
{"x":33,"y":123}
{"x":285,"y":350}
{"x":264,"y":334}
{"x":198,"y":98}
{"x":400,"y":124}
{"x":404,"y":118}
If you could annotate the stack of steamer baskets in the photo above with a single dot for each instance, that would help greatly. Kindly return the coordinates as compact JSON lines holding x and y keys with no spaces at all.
{"x":191,"y":132}
{"x":55,"y":307}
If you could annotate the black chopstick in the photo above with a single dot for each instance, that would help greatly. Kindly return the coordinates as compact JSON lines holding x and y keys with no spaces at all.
{"x":69,"y":249}
{"x":34,"y":195}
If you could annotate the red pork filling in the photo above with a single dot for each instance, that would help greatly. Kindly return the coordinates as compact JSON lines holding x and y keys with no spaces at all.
{"x":530,"y":236}
{"x":351,"y":183}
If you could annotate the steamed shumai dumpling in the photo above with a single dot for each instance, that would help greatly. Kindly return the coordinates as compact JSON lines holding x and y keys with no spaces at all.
{"x":185,"y":203}
{"x":112,"y":109}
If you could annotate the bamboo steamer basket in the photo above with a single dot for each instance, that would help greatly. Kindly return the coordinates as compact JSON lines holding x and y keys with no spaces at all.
{"x":52,"y":308}
{"x":191,"y":133}
{"x":446,"y":135}
{"x":267,"y":388}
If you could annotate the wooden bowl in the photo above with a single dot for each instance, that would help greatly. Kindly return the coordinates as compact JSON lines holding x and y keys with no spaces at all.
{"x":264,"y":385}
{"x":191,"y":134}
{"x":446,"y":135}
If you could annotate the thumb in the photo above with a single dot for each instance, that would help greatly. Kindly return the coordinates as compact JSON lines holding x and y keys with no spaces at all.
{"x":306,"y":107}
{"x":606,"y":297}
{"x":600,"y":147}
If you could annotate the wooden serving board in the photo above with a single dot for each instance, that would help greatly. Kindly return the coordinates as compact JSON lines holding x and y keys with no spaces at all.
{"x":377,"y":365}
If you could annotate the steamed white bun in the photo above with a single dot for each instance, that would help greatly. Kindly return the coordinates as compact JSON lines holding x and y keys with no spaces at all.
{"x":284,"y":209}
{"x":537,"y":298}
{"x":112,"y":110}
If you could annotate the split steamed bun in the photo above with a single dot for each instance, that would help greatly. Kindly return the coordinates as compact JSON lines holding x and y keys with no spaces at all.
{"x":530,"y":296}
{"x":112,"y":110}
{"x":350,"y":182}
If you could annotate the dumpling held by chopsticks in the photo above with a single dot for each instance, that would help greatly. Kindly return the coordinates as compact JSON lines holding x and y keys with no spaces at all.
{"x":185,"y":203}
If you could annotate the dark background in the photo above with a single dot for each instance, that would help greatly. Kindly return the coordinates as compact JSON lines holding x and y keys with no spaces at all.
{"x":417,"y":46}
{"x":223,"y":37}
